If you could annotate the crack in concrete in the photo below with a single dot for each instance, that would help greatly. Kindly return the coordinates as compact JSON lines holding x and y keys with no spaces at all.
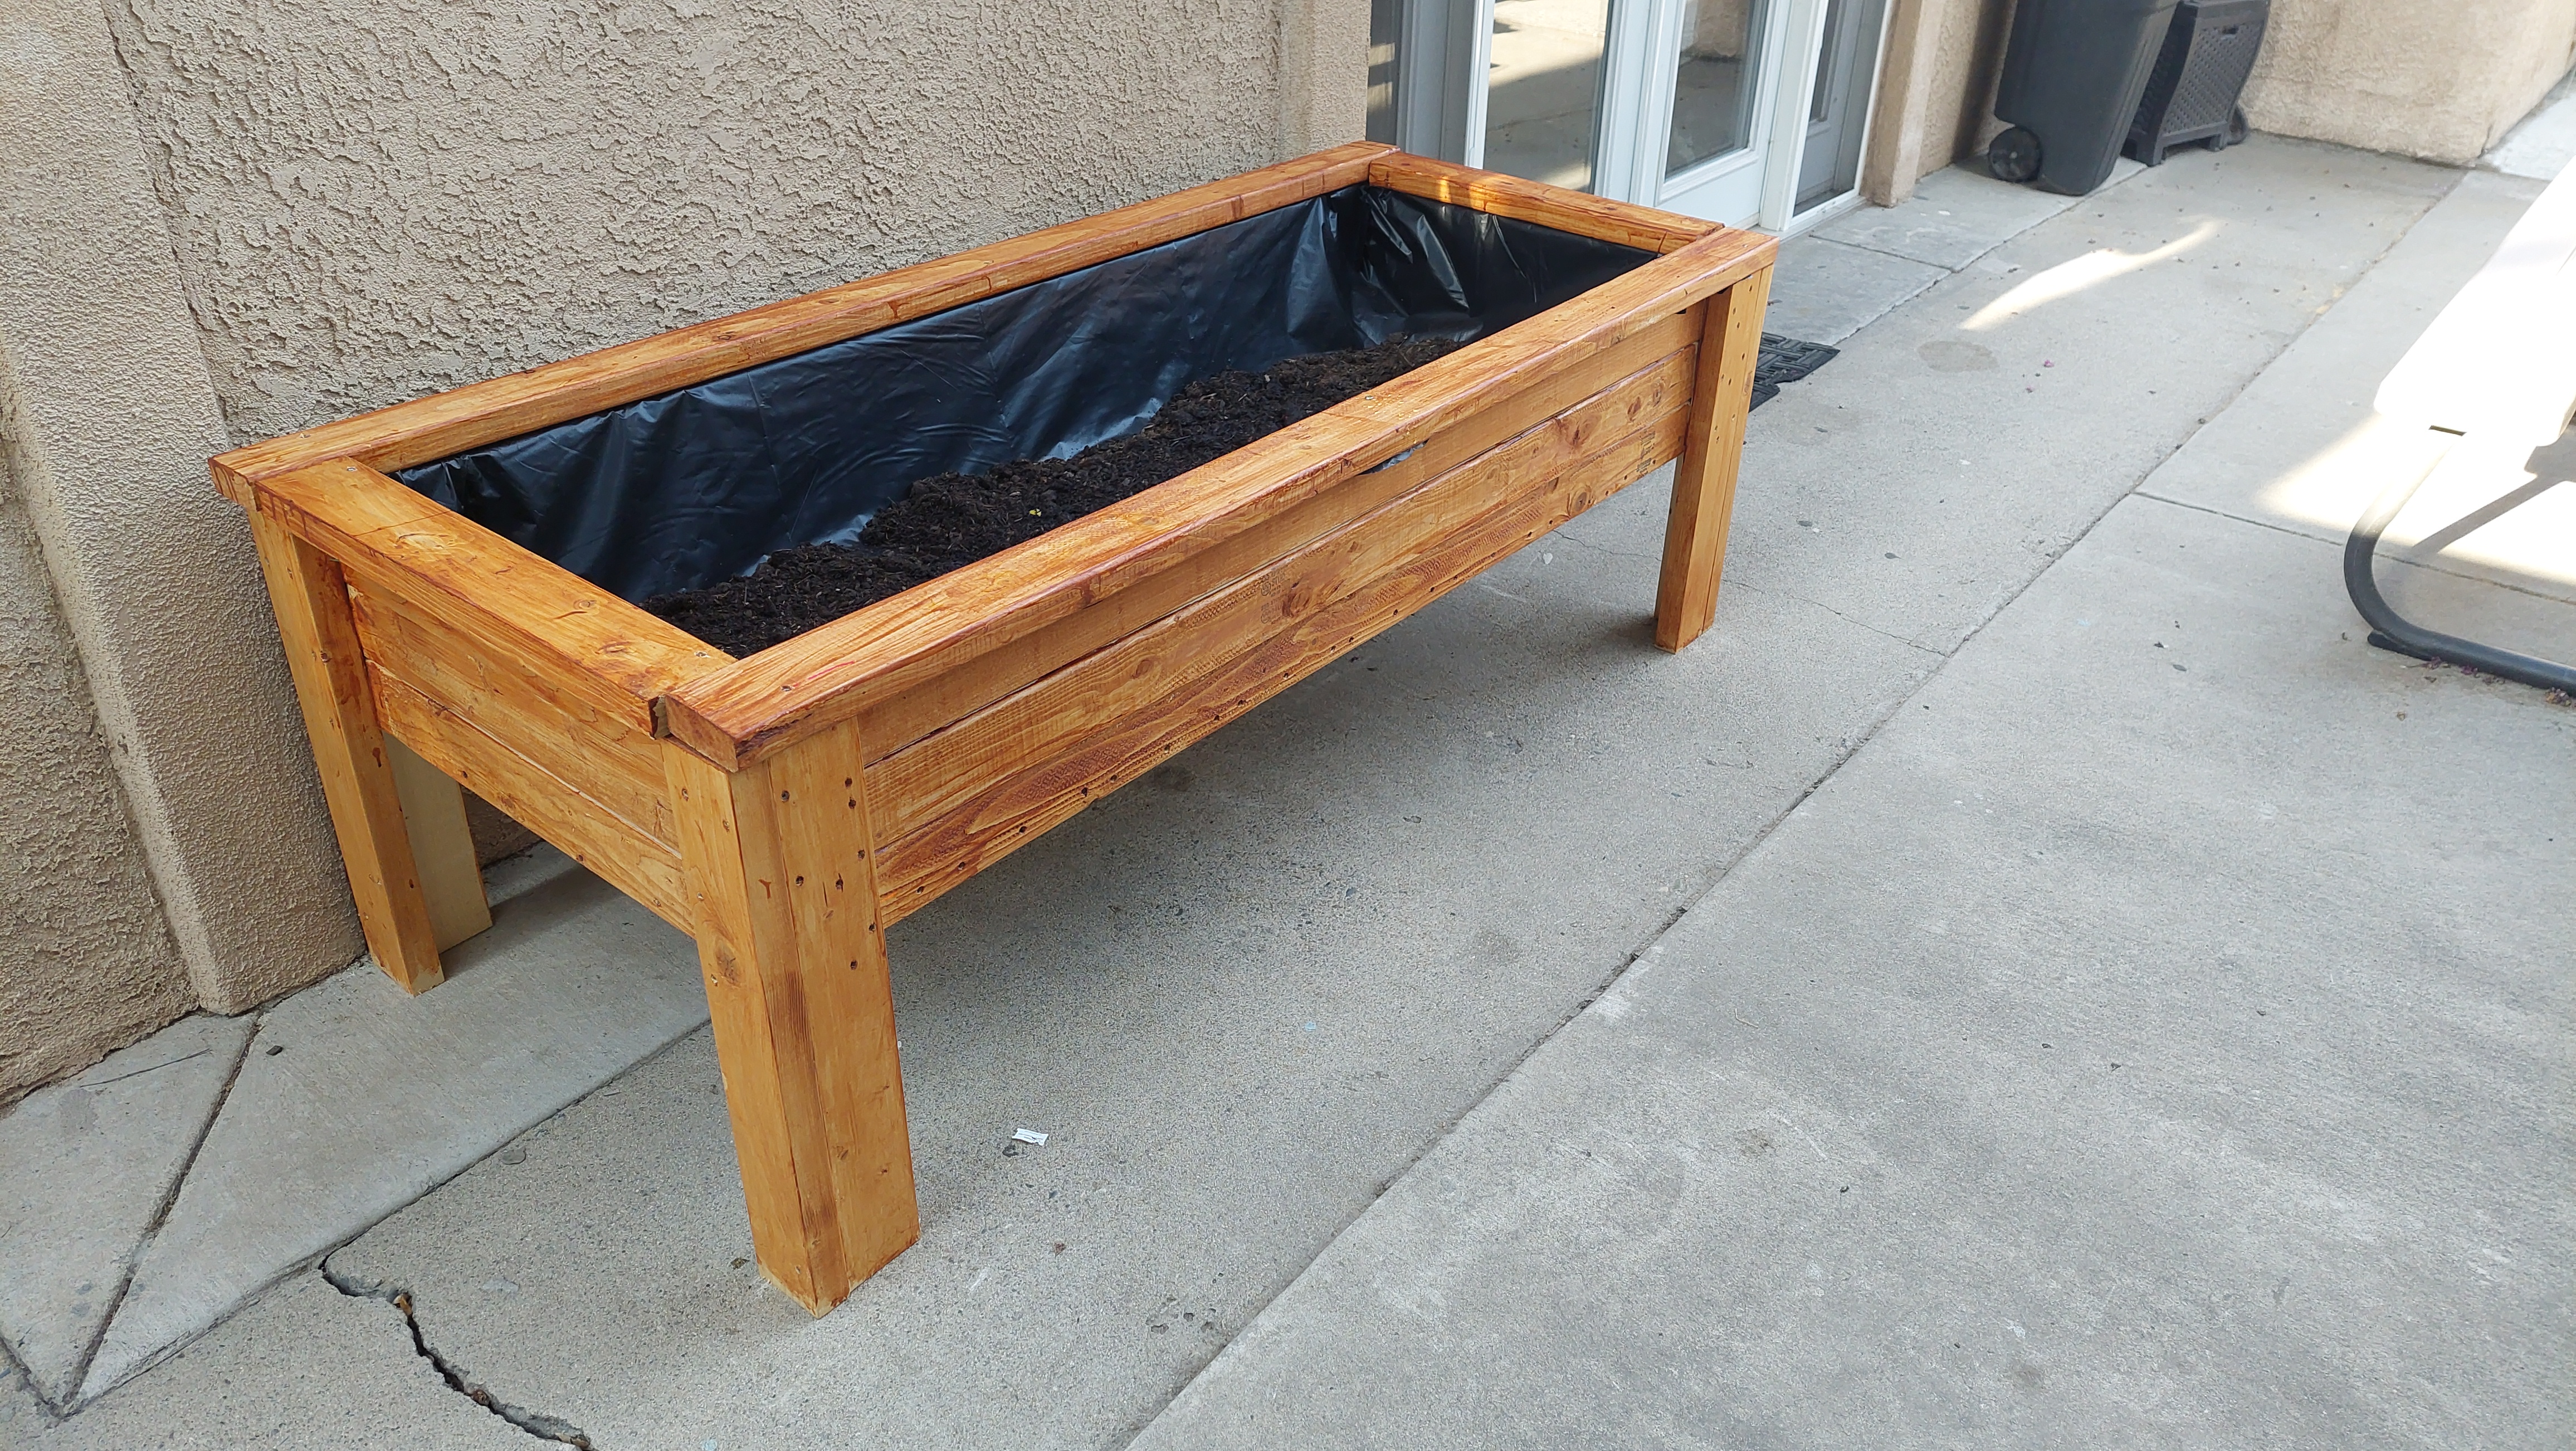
{"x":1932,"y":650}
{"x":535,"y":1423}
{"x":1577,"y":541}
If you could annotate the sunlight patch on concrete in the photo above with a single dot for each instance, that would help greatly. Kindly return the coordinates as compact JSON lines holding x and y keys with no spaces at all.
{"x":2481,"y":506}
{"x":2066,"y":279}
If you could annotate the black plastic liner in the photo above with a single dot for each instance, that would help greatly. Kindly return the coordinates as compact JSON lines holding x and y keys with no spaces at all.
{"x":699,"y":485}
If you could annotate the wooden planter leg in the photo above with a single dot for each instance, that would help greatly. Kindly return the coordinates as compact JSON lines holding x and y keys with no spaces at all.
{"x":313,"y":622}
{"x":782,"y":877}
{"x":1704,"y":481}
{"x":442,"y":847}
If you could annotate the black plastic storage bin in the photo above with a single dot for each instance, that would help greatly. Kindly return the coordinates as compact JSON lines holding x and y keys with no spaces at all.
{"x":2191,"y":96}
{"x":2072,"y":78}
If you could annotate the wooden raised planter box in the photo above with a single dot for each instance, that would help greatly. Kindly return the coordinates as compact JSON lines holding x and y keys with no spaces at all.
{"x":783,"y":809}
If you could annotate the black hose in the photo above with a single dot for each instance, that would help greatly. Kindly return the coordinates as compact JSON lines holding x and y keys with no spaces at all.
{"x":2391,"y":631}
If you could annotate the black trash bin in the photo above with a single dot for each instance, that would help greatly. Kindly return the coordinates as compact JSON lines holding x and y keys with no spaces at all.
{"x":2072,"y":78}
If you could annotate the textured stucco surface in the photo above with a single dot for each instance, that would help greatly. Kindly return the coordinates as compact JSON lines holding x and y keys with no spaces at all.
{"x":1973,"y":34}
{"x":110,"y":419}
{"x":1936,"y":96}
{"x":85,"y":963}
{"x":375,"y":200}
{"x":2443,"y":82}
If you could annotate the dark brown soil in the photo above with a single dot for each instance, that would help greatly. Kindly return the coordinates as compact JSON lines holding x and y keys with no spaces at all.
{"x":956,"y":519}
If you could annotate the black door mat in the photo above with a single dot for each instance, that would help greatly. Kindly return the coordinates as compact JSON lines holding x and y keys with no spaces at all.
{"x":1785,"y":360}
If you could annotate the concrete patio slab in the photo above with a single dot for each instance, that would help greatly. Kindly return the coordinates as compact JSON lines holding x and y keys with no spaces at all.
{"x":2158,"y":1035}
{"x":1824,"y":291}
{"x":1922,"y":478}
{"x":22,"y":1412}
{"x":355,"y":1099}
{"x":305,"y":1368}
{"x":86,"y":1168}
{"x":1956,"y":215}
{"x":2303,"y":450}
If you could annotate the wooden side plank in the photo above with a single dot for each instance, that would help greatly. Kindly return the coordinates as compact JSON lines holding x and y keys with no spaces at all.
{"x":442,"y":847}
{"x":581,"y":826}
{"x":782,"y":880}
{"x":312,"y":605}
{"x":1441,"y":537}
{"x":551,"y":623}
{"x":740,"y":712}
{"x":1713,"y":449}
{"x":469,"y":417}
{"x":1626,"y":223}
{"x":900,"y":719}
{"x":564,"y":725}
{"x":1038,"y":724}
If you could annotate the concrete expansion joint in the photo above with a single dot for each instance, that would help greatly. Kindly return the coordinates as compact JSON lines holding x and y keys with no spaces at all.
{"x":2436,"y":564}
{"x":151,"y":1231}
{"x":535,"y":1423}
{"x":14,"y":1364}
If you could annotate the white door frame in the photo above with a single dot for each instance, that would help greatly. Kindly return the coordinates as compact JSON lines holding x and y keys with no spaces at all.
{"x":1479,"y":71}
{"x":1805,"y":28}
{"x":1789,"y":128}
{"x":1650,"y":186}
{"x":1641,"y":63}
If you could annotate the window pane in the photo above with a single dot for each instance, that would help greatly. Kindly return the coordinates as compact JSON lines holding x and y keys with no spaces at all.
{"x":1544,"y":88}
{"x":1713,"y":96}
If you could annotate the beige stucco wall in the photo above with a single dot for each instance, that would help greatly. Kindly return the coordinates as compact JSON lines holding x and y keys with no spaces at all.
{"x":2443,"y":82}
{"x":85,"y":962}
{"x":225,"y":219}
{"x":1936,"y":92}
{"x":111,"y":414}
{"x":379,"y":199}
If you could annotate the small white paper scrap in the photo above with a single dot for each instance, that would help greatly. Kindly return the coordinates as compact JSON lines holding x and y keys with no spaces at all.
{"x":1030,"y":1136}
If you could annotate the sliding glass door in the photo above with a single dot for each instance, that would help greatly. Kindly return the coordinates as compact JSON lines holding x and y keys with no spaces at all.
{"x":1716,"y":125}
{"x":1748,"y":112}
{"x":1543,"y":88}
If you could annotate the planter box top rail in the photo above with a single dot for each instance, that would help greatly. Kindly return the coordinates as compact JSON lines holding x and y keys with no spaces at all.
{"x":329,"y":484}
{"x":698,"y":485}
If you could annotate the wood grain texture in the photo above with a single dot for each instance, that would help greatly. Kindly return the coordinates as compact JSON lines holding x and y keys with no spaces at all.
{"x":902,"y":718}
{"x":555,"y":624}
{"x":1626,"y":223}
{"x":442,"y":846}
{"x":560,"y":808}
{"x":322,"y":653}
{"x":1712,"y":452}
{"x":739,"y":713}
{"x":1030,"y":762}
{"x":564,"y":724}
{"x":936,"y":775}
{"x":470,"y":417}
{"x":782,"y":878}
